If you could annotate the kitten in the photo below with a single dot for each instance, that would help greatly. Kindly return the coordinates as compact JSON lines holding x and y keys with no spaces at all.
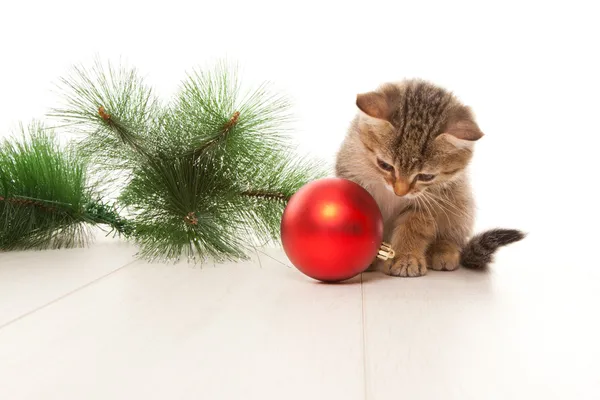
{"x":409,"y":146}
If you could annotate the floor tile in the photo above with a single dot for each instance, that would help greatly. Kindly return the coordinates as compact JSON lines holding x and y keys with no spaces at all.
{"x":513,"y":332}
{"x":32,"y":279}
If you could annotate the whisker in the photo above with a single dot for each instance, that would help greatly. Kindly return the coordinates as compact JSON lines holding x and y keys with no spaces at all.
{"x":437,"y":201}
{"x":441,"y":207}
{"x":445,"y":201}
{"x":428,"y":208}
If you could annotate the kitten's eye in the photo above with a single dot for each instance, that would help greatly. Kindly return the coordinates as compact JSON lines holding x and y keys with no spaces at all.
{"x":385,"y":166}
{"x":425,"y":177}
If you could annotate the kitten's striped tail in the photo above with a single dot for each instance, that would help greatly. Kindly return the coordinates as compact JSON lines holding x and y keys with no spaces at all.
{"x":479,"y":251}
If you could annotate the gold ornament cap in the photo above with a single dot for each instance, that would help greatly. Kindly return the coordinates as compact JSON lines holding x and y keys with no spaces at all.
{"x":386,"y":252}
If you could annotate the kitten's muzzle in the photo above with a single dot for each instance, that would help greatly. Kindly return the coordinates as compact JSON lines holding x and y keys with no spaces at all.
{"x":401,"y":187}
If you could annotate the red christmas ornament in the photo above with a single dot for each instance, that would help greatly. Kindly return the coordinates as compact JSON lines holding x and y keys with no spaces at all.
{"x":331,"y":230}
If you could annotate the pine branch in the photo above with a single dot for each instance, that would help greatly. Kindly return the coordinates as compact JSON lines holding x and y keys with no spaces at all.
{"x":208,"y":173}
{"x":114,"y":113}
{"x":44,"y":198}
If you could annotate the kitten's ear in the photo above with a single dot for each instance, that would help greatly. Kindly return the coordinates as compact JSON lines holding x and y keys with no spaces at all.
{"x":374,"y":105}
{"x":461,"y":134}
{"x":465,"y":130}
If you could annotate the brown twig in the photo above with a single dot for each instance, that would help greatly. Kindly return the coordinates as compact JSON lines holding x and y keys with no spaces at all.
{"x":232,"y":121}
{"x":226,"y":128}
{"x":27,"y":202}
{"x":266,"y":195}
{"x":126,"y":137}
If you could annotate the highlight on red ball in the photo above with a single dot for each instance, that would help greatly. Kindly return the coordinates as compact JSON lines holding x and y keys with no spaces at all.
{"x":331,"y":229}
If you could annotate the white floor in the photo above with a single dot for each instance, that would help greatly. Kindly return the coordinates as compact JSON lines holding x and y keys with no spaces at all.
{"x":97,"y":324}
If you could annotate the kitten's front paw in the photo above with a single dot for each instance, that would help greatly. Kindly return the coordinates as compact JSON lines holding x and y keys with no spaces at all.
{"x":408,"y":265}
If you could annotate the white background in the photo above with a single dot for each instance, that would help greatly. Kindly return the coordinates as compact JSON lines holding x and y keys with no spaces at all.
{"x":256,"y":330}
{"x":529,"y":69}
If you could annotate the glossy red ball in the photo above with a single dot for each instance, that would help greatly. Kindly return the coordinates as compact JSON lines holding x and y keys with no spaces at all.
{"x":331,"y":229}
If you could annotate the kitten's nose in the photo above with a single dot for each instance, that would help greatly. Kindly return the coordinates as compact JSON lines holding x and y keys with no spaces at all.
{"x":401,"y":187}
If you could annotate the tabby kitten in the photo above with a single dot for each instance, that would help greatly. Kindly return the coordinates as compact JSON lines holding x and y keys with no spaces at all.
{"x":409,"y":146}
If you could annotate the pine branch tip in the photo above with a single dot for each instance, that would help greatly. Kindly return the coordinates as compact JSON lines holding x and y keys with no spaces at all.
{"x":191,"y":218}
{"x":103,"y":114}
{"x":233,"y":121}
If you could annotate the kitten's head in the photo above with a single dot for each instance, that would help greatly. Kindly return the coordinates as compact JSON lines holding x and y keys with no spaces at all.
{"x":416,"y":136}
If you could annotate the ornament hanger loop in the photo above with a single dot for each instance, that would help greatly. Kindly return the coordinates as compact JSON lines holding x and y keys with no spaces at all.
{"x":386,"y":252}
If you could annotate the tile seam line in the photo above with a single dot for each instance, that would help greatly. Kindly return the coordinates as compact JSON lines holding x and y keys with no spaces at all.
{"x":64,"y":296}
{"x":364,"y":337}
{"x":274,"y":259}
